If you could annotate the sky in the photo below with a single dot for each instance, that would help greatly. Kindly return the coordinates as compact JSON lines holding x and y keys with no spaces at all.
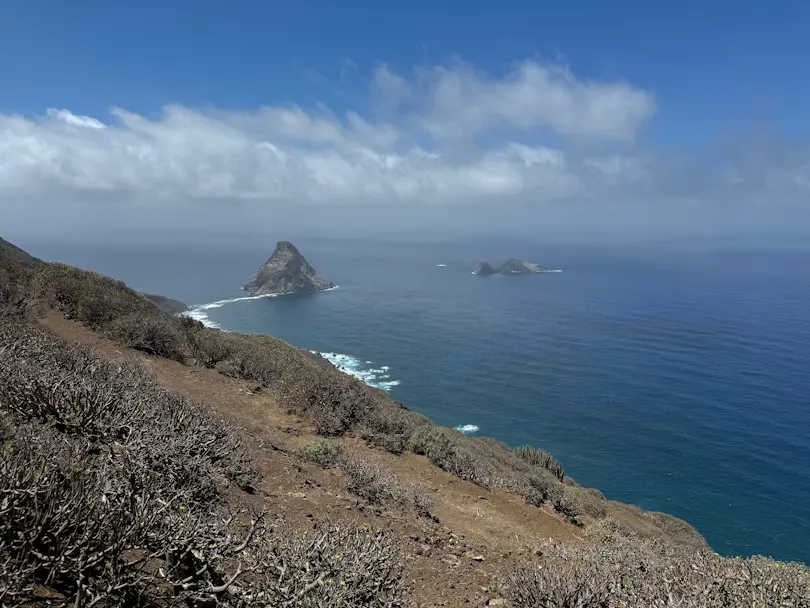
{"x":624,"y":118}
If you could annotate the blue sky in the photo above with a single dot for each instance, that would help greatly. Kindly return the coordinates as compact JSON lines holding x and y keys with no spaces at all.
{"x":714,"y":66}
{"x":608,"y":101}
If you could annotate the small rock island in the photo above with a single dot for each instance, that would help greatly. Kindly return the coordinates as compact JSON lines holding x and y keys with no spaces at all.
{"x":511,"y":266}
{"x":484,"y":269}
{"x":286,"y":271}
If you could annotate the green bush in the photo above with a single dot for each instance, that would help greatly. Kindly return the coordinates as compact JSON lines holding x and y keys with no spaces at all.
{"x":324,"y":453}
{"x":541,"y":458}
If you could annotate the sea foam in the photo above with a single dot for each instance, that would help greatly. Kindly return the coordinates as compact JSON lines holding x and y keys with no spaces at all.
{"x":199,"y":313}
{"x":378,"y":377}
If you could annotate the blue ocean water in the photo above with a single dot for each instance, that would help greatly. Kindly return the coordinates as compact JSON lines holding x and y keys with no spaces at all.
{"x":675,"y":378}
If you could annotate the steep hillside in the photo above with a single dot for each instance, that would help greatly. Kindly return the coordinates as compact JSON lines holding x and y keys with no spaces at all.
{"x":266,"y":477}
{"x":13,"y":254}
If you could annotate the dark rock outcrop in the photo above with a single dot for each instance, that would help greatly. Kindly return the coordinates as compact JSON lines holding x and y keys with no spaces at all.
{"x":15,"y":255}
{"x":484,"y":269}
{"x":167,"y":305}
{"x":512,"y":266}
{"x":286,"y":272}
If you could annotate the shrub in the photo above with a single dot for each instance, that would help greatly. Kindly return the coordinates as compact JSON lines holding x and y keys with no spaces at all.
{"x":395,"y":444}
{"x":154,"y":334}
{"x":541,"y":458}
{"x":617,"y":570}
{"x":381,"y":487}
{"x":322,"y":452}
{"x":542,"y":487}
{"x":105,"y":499}
{"x":368,"y":481}
{"x":450,"y":450}
{"x":209,"y":347}
{"x":88,"y":297}
{"x":437,"y":443}
{"x":574,"y":502}
{"x":570,"y":505}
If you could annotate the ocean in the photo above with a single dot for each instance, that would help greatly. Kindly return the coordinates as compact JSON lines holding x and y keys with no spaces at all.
{"x":672,"y":377}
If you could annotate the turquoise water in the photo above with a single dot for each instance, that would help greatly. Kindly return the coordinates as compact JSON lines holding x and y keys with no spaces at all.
{"x":674,"y":380}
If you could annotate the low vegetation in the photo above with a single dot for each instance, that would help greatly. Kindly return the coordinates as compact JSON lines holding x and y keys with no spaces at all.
{"x":621,"y":570}
{"x":541,"y":458}
{"x":112,"y":494}
{"x":368,"y":480}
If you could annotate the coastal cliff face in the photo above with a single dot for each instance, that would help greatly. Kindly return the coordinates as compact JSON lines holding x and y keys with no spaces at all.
{"x":286,"y":271}
{"x":167,"y":305}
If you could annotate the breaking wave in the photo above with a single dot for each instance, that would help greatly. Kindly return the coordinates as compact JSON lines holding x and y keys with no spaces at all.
{"x":199,"y":311}
{"x":378,"y":377}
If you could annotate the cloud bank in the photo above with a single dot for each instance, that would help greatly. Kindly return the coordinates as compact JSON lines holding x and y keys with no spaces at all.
{"x":438,"y":135}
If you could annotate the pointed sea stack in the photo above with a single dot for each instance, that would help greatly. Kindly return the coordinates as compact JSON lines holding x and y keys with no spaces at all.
{"x":286,"y":272}
{"x":484,"y":269}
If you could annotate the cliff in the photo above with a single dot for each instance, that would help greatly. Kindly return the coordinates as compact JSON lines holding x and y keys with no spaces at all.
{"x":167,"y":305}
{"x":286,"y":271}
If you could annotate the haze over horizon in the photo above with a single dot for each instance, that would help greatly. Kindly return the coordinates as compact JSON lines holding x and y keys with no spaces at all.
{"x":630,"y":121}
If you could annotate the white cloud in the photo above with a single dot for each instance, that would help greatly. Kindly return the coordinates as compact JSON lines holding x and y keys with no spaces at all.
{"x":443,"y":135}
{"x":73,"y":120}
{"x":458,"y":101}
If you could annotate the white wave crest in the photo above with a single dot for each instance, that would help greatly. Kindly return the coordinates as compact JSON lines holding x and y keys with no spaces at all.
{"x":467,"y":428}
{"x":199,"y":313}
{"x":377,"y":377}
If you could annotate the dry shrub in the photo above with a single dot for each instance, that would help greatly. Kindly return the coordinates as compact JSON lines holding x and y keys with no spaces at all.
{"x":395,"y":444}
{"x":14,"y":303}
{"x":541,"y":458}
{"x":381,"y":487}
{"x":542,"y":487}
{"x":77,"y":392}
{"x":324,"y":453}
{"x":158,"y":335}
{"x":621,"y":570}
{"x":91,"y":298}
{"x":108,"y":497}
{"x":335,"y":567}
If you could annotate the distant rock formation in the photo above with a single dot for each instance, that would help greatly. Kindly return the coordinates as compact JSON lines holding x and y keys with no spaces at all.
{"x":286,"y":272}
{"x":167,"y":305}
{"x":512,"y":266}
{"x":484,"y":269}
{"x":15,"y":255}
